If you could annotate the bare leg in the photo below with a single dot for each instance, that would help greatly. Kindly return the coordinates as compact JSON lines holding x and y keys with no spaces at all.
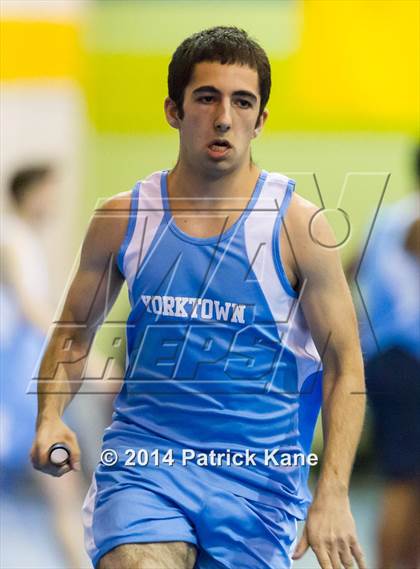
{"x":164,"y":555}
{"x":398,"y":538}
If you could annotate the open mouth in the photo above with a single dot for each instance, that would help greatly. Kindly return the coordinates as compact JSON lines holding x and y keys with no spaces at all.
{"x":220,"y":146}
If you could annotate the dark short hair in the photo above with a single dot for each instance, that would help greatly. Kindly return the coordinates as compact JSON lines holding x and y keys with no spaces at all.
{"x":226,"y":45}
{"x":25,"y":179}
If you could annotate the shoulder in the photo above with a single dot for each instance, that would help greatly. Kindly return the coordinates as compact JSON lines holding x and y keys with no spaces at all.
{"x":307,"y":227}
{"x":123,"y":203}
{"x":308,"y":222}
{"x":311,"y":239}
{"x":300,"y":214}
{"x":301,"y":207}
{"x":108,"y":225}
{"x":119,"y":203}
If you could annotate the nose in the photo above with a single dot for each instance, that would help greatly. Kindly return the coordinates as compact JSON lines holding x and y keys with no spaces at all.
{"x":223,"y":120}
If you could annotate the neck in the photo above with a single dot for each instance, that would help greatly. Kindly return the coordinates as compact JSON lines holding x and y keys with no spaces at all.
{"x":186,"y":183}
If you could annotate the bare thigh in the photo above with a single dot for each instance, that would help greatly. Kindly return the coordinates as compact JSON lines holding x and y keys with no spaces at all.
{"x":162,"y":555}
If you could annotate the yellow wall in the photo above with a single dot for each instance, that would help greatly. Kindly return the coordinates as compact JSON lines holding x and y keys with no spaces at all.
{"x":337,"y":65}
{"x":39,"y":50}
{"x":360,"y":59}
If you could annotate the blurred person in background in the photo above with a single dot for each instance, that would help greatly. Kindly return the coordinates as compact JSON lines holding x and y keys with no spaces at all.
{"x":26,"y":315}
{"x":389,"y":280}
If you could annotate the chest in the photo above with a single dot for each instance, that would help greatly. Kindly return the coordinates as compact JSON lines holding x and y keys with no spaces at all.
{"x":214,"y":224}
{"x":206,"y":224}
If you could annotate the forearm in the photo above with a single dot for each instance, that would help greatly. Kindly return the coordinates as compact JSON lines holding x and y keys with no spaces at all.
{"x":343,"y":414}
{"x":61,"y":371}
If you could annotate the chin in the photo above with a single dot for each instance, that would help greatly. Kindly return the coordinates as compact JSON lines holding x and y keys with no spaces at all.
{"x":221,"y":167}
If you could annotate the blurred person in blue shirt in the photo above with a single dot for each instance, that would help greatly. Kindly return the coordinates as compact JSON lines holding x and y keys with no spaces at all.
{"x":26,"y":310}
{"x":389,"y":280}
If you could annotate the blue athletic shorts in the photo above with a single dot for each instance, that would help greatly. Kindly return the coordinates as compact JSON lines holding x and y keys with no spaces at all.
{"x":140,"y":505}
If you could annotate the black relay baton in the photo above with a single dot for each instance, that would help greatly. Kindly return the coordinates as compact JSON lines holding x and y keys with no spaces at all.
{"x":59,"y":454}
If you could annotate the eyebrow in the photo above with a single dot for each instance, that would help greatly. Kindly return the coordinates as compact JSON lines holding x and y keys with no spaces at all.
{"x":211,"y":89}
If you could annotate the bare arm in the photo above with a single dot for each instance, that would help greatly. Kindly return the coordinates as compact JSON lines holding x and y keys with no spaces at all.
{"x":92,"y":293}
{"x":329,"y":312}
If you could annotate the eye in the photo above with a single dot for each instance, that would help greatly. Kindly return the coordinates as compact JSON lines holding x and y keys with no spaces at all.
{"x":206,"y":99}
{"x":244,"y":103}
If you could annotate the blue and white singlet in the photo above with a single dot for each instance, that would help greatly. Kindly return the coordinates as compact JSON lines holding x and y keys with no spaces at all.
{"x":219,"y":355}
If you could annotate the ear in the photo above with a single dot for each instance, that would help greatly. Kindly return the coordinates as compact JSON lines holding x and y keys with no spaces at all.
{"x":171,"y":113}
{"x":260,"y":123}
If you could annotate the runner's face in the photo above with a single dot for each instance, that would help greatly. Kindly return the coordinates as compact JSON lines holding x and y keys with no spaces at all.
{"x":221,"y":104}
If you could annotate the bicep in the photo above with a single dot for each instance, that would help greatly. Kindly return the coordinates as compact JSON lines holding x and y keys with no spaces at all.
{"x":98,"y":280}
{"x":325,"y":296}
{"x":330,"y":315}
{"x":92,"y":294}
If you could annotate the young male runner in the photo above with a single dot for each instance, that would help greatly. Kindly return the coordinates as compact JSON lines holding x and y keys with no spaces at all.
{"x":229,"y":316}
